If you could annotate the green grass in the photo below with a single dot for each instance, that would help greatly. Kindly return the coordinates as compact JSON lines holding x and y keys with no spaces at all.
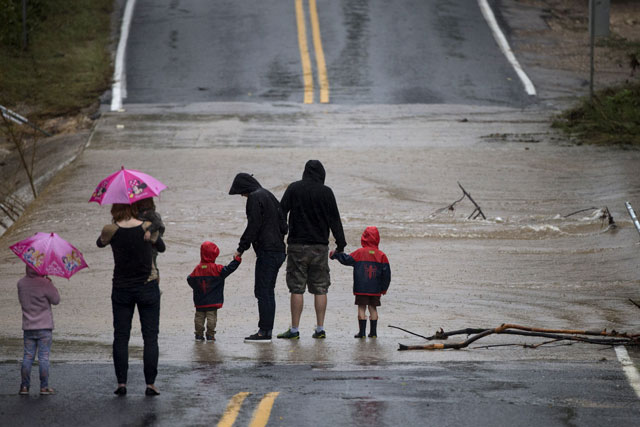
{"x":67,"y":63}
{"x":615,"y":42}
{"x":611,"y":118}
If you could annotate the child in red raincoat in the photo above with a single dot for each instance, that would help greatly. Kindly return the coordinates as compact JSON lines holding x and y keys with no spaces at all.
{"x":207,"y":282}
{"x":371,"y":278}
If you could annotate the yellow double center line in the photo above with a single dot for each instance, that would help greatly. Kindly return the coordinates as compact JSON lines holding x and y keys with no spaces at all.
{"x":260,"y":415}
{"x":307,"y":74}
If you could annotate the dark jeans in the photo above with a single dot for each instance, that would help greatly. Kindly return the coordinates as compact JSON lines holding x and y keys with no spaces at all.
{"x":124,"y":301}
{"x":267,"y":266}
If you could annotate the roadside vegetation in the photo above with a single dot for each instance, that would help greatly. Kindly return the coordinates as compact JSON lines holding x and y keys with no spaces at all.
{"x":612,"y":117}
{"x":65,"y":65}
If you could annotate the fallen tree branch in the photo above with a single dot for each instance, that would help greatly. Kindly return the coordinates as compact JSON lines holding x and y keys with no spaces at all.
{"x":525,"y":345}
{"x":606,"y":214}
{"x":476,"y":212}
{"x":603,"y":332}
{"x":612,"y":338}
{"x":441,"y":346}
{"x":474,"y":203}
{"x":442,"y":335}
{"x":412,"y":333}
{"x":449,"y":207}
{"x":581,"y":210}
{"x":601,"y":341}
{"x":541,"y":344}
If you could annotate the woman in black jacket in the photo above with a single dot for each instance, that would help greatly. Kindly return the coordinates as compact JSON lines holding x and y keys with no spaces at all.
{"x":135,"y":283}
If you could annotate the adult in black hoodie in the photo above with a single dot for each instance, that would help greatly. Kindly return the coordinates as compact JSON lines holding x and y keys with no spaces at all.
{"x":266,"y":227}
{"x":312,"y":210}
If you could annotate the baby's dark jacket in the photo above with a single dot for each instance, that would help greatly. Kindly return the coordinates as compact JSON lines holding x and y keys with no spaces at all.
{"x":154,"y":218}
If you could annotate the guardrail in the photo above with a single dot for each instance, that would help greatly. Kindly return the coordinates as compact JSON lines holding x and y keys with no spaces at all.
{"x":633,"y":216}
{"x":17,"y":118}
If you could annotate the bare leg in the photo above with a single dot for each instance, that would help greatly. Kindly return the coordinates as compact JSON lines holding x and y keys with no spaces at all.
{"x":297,"y":303}
{"x":373,"y":313}
{"x":362,"y":312}
{"x":320,"y":302}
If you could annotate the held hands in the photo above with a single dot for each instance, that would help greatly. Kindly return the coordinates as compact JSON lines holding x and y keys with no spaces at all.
{"x":237,"y":255}
{"x":147,"y":236}
{"x":333,"y":253}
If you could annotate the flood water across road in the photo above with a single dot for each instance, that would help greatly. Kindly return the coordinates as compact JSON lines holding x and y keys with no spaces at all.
{"x":525,"y":264}
{"x":392,"y":167}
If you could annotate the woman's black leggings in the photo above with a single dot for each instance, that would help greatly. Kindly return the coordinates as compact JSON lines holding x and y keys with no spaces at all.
{"x":123,"y":302}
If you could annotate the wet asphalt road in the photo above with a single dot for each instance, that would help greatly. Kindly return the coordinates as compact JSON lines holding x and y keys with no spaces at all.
{"x":443,"y":394}
{"x":376,"y":52}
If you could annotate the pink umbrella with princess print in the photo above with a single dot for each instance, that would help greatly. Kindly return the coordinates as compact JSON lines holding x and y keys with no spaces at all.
{"x":126,"y":186}
{"x":49,"y":254}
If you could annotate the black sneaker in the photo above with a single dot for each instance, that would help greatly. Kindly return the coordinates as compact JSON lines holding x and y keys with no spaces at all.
{"x":319,"y":334}
{"x":290,"y":335}
{"x":258,"y":338}
{"x":199,"y":338}
{"x":211,"y":338}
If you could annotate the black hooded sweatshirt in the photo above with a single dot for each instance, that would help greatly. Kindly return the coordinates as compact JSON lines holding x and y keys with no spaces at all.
{"x":312,"y":209}
{"x":266,"y":223}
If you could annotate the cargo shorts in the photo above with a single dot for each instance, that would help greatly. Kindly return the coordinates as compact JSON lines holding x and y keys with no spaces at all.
{"x":308,"y":266}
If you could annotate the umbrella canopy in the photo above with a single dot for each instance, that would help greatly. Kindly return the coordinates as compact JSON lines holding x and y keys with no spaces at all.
{"x":126,"y":186}
{"x":50,"y":254}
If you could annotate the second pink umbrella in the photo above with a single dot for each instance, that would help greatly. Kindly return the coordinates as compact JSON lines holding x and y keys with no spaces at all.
{"x":126,"y":186}
{"x":49,"y":254}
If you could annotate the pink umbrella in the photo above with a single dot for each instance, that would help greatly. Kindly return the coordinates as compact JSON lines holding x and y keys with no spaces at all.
{"x":48,"y":253}
{"x":126,"y":186}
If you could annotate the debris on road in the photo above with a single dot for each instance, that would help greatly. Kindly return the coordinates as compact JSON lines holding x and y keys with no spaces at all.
{"x":605,"y":214}
{"x":613,"y":337}
{"x":476,"y":212}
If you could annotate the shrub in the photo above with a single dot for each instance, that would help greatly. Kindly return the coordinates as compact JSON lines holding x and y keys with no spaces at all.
{"x":611,"y":117}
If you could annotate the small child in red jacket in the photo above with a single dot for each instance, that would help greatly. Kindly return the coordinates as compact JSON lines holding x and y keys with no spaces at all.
{"x":207,"y":282}
{"x":371,"y":278}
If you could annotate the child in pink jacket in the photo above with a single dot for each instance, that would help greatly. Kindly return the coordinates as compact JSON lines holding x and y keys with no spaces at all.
{"x":36,"y":294}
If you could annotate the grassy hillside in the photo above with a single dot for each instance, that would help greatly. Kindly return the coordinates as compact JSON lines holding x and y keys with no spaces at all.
{"x":66,"y":64}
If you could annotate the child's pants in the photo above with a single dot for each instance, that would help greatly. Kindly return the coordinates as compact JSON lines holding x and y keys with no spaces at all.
{"x":40,"y":340}
{"x":211,"y":317}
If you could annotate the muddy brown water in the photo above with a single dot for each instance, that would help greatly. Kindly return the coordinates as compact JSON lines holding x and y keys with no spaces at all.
{"x":527,"y":263}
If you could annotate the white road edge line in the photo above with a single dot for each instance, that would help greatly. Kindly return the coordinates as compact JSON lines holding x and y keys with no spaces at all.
{"x":504,"y":46}
{"x":629,"y":369}
{"x":119,"y":88}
